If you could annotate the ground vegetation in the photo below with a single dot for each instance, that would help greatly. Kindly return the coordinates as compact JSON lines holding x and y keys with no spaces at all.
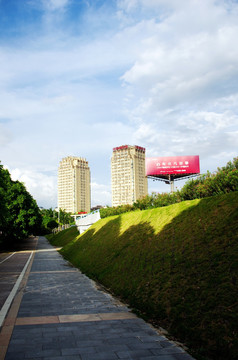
{"x":177,"y":266}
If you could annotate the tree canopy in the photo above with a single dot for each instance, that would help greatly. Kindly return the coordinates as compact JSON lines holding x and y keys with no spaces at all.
{"x":19,"y":213}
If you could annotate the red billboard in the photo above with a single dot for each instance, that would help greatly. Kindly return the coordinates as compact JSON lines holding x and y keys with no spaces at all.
{"x":178,"y":166}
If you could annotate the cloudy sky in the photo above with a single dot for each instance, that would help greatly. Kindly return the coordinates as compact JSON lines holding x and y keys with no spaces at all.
{"x":79,"y":77}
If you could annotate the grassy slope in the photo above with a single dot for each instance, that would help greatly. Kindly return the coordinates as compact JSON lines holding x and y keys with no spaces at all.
{"x":177,"y":265}
{"x":62,"y":238}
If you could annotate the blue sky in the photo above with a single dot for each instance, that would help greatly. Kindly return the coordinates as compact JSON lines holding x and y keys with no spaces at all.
{"x":79,"y":77}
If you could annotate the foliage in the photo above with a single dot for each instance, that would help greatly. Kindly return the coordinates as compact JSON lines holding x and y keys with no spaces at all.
{"x":177,"y":265}
{"x":157,"y":200}
{"x":115,"y":210}
{"x":51,"y":219}
{"x":225,"y":180}
{"x":51,"y":224}
{"x":65,"y":218}
{"x":4,"y":212}
{"x":19,"y":213}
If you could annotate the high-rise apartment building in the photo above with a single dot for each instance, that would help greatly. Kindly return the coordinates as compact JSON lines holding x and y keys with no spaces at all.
{"x":74,"y":193}
{"x":129,"y":182}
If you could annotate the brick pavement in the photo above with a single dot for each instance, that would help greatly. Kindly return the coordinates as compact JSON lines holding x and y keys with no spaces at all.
{"x":64,"y":316}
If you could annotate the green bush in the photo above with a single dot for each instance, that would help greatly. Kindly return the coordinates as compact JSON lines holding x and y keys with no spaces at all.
{"x":116,"y":210}
{"x":225,"y":180}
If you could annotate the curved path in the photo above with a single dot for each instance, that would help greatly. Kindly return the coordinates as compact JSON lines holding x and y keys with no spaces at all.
{"x":59,"y":313}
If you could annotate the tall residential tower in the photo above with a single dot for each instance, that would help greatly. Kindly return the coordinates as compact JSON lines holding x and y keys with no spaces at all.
{"x":129,"y":182}
{"x":74,"y":193}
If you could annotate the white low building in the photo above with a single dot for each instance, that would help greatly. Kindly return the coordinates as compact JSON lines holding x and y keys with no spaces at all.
{"x":84,"y":221}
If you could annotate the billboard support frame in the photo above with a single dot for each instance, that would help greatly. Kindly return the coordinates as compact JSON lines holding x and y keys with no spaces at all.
{"x":172,"y":168}
{"x":170,"y":181}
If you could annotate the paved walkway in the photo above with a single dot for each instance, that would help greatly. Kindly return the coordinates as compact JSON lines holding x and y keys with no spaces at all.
{"x":61,"y":315}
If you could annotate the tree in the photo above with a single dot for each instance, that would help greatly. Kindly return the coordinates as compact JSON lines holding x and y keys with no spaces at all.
{"x":4,"y":212}
{"x":51,"y":224}
{"x":24,"y":213}
{"x":19,"y":214}
{"x":65,"y":218}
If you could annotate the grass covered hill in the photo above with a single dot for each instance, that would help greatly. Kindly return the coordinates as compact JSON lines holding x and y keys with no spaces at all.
{"x":63,"y":237}
{"x":177,"y":265}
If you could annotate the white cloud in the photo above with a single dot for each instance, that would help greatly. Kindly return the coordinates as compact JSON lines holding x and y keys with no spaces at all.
{"x":5,"y":135}
{"x":199,"y":67}
{"x":127,"y":5}
{"x":158,"y":73}
{"x":101,"y":194}
{"x":55,"y":4}
{"x":182,"y":89}
{"x":194,"y":133}
{"x":41,"y":186}
{"x":49,"y":5}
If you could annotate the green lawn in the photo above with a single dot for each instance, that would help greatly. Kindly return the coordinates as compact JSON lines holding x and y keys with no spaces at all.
{"x":63,"y":237}
{"x":176,"y":265}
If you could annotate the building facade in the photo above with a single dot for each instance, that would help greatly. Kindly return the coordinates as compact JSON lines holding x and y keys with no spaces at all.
{"x":129,"y":182}
{"x":74,"y":192}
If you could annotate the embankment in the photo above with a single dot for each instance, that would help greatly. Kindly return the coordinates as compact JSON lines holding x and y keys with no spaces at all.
{"x":176,"y":265}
